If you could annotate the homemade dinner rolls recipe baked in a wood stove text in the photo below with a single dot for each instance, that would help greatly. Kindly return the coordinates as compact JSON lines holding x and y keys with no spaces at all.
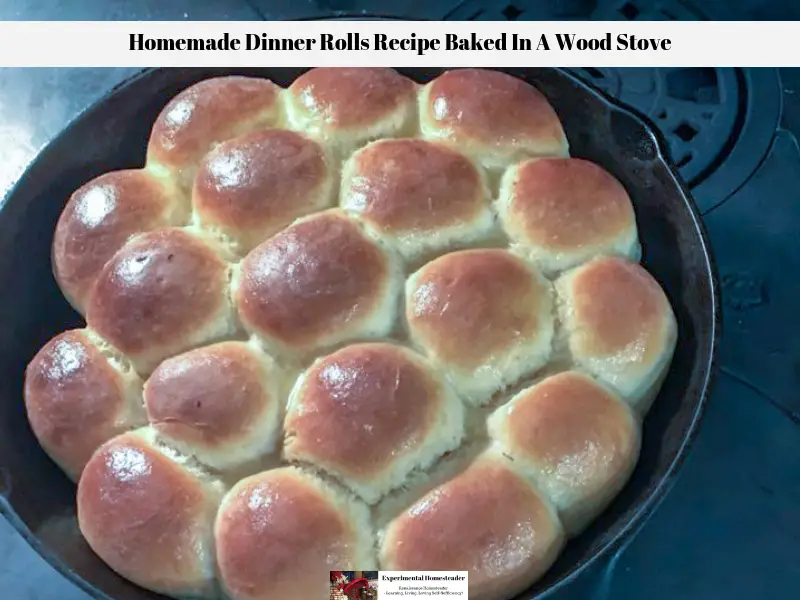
{"x":352,"y":321}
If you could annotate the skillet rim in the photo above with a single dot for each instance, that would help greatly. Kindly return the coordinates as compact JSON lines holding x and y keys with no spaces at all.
{"x":643,"y":511}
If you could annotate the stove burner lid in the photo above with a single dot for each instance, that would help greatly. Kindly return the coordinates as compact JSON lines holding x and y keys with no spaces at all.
{"x":696,"y":109}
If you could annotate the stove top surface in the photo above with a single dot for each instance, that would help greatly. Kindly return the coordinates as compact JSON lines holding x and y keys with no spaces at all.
{"x":730,"y":527}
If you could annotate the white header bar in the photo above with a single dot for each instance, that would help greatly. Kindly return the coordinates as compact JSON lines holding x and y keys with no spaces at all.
{"x":399,"y":43}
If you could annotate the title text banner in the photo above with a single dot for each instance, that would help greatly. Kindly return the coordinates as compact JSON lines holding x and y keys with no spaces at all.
{"x":399,"y":43}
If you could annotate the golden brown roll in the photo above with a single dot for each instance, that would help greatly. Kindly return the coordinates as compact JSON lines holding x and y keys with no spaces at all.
{"x":150,"y":518}
{"x":221,"y":403}
{"x":78,"y":396}
{"x":493,"y":117}
{"x":320,"y":282}
{"x":560,"y":212}
{"x":279,"y":533}
{"x":164,"y":292}
{"x":575,"y":439}
{"x":421,"y":196}
{"x":349,"y":106}
{"x":252,"y":186}
{"x":619,"y":325}
{"x":369,"y":414}
{"x":205,"y":114}
{"x":100,"y":217}
{"x":487,"y":520}
{"x":482,"y":316}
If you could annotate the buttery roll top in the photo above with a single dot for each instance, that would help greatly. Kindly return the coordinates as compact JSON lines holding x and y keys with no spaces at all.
{"x":491,"y":116}
{"x":252,"y":186}
{"x":320,"y":282}
{"x":620,"y":326}
{"x":279,"y":533}
{"x":487,"y":520}
{"x":100,"y":217}
{"x":348,"y":106}
{"x":482,"y":316}
{"x":421,"y":196}
{"x":164,"y":292}
{"x":149,"y":518}
{"x":205,"y":114}
{"x":77,"y":397}
{"x":369,"y":414}
{"x":221,"y":403}
{"x":576,"y":440}
{"x":560,"y":212}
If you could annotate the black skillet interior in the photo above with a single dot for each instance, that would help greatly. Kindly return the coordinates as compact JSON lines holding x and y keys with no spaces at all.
{"x":39,"y":501}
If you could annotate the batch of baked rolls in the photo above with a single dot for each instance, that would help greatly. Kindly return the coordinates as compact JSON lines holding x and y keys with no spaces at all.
{"x":356,"y":323}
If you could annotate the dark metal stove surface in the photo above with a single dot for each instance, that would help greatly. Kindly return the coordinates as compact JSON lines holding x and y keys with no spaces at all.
{"x":731,"y":527}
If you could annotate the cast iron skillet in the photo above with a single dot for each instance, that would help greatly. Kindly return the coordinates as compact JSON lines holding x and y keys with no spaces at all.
{"x":38,"y":499}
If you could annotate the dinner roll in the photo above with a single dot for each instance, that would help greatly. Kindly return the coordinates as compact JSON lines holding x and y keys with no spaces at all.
{"x":150,"y":518}
{"x":493,"y":117}
{"x":164,"y":292}
{"x":252,"y":186}
{"x":619,"y":326}
{"x":369,"y":414}
{"x":221,"y":403}
{"x":279,"y":533}
{"x":78,"y":396}
{"x":203,"y":115}
{"x":421,"y":196}
{"x":346,"y":107}
{"x":482,"y":316}
{"x":320,"y":282}
{"x":100,"y":217}
{"x":576,"y":440}
{"x":486,"y":520}
{"x":560,"y":212}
